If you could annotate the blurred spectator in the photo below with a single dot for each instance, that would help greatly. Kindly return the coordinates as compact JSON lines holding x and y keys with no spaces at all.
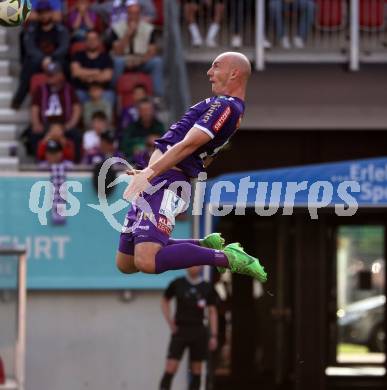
{"x":236,"y":8}
{"x":191,"y":9}
{"x":237,"y":13}
{"x":135,"y":134}
{"x":55,"y":161}
{"x":96,"y":103}
{"x":44,"y":42}
{"x":141,"y":157}
{"x":56,"y":6}
{"x":82,"y":19}
{"x":304,"y":9}
{"x":148,"y":9}
{"x":91,"y":138}
{"x":107,"y":149}
{"x":114,"y":11}
{"x":130,"y":114}
{"x":52,"y":102}
{"x":92,"y":65}
{"x":135,"y":49}
{"x":56,"y":134}
{"x":53,"y":155}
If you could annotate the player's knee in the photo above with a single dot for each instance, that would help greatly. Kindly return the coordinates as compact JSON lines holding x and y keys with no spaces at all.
{"x":171,"y":366}
{"x":145,"y":255}
{"x":145,"y":263}
{"x":125,"y":263}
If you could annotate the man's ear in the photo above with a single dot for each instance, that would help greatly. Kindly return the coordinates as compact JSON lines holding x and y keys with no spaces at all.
{"x":234,"y":74}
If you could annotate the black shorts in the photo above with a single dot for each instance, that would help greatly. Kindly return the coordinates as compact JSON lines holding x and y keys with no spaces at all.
{"x":193,"y":338}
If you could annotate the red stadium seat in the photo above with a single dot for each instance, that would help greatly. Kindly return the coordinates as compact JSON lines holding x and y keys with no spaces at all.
{"x":371,"y":15}
{"x":37,"y":80}
{"x":159,"y":5}
{"x":330,"y":14}
{"x":127,"y":82}
{"x":2,"y":372}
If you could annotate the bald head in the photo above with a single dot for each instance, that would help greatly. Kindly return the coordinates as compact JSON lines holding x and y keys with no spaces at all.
{"x":238,"y":61}
{"x":229,"y":74}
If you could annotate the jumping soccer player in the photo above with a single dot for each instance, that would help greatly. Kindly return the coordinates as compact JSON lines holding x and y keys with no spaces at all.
{"x":182,"y":153}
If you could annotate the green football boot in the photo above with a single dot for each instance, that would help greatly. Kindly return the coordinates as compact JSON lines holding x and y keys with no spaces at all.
{"x":214,"y":241}
{"x":242,"y":263}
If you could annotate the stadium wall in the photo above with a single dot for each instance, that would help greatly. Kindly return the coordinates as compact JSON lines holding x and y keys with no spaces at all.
{"x":96,"y":340}
{"x":88,"y":326}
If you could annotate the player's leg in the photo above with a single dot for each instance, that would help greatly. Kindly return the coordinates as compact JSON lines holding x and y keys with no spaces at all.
{"x":198,"y":352}
{"x":145,"y":253}
{"x":196,"y":373}
{"x":213,"y":240}
{"x":125,"y":263}
{"x":125,"y":254}
{"x":152,"y":234}
{"x":176,"y":349}
{"x":151,"y":257}
{"x":171,"y":368}
{"x":145,"y":256}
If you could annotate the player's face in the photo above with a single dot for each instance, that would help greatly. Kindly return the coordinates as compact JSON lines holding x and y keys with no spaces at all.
{"x":219,"y":74}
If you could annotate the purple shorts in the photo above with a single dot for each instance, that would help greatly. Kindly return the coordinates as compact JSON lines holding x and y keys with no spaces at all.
{"x":152,"y":217}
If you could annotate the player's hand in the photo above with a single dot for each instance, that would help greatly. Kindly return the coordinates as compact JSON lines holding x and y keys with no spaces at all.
{"x":139,"y":183}
{"x":213,"y":343}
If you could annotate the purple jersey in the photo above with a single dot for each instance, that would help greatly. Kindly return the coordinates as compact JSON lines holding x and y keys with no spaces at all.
{"x":218,"y":116}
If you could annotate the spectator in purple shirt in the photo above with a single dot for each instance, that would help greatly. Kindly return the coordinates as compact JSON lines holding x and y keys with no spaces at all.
{"x":107,"y":149}
{"x":129,"y":114}
{"x":82,"y":19}
{"x":55,"y":101}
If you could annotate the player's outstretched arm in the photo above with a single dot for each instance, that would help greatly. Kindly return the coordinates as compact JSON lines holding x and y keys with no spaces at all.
{"x":194,"y":139}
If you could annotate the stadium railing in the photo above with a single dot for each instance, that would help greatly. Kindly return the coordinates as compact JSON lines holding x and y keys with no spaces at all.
{"x":331,"y":31}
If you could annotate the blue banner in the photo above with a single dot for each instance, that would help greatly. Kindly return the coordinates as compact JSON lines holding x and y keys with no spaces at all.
{"x":79,"y":254}
{"x":362,"y":183}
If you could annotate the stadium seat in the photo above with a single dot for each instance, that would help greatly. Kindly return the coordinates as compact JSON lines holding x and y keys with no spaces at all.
{"x":159,"y":21}
{"x":330,"y":14}
{"x":371,"y":15}
{"x":37,"y":80}
{"x":127,"y":82}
